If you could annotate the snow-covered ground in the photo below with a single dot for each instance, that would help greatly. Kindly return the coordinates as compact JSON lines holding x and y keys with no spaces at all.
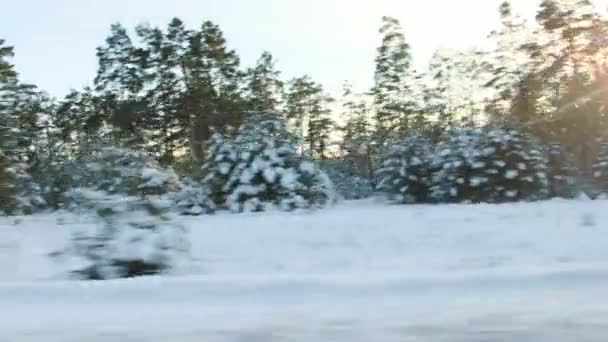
{"x":361,"y":271}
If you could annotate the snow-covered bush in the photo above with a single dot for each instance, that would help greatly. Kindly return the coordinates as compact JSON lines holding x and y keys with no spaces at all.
{"x":124,"y":171}
{"x":260,"y":168}
{"x":493,"y":164}
{"x":600,"y":167}
{"x":562,"y":173}
{"x":348,"y":184}
{"x":130,"y":196}
{"x":457,"y":165}
{"x":193,"y":199}
{"x":517,"y":166}
{"x":405,"y":175}
{"x":131,"y":236}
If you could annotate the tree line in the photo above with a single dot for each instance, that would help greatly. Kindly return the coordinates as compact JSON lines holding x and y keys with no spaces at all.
{"x":167,"y":91}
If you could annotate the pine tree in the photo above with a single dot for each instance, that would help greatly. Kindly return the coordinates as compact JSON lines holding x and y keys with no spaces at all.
{"x":453,"y":92}
{"x":8,"y":124}
{"x":193,"y":198}
{"x":165,"y":123}
{"x":320,"y":126}
{"x":6,"y":68}
{"x":263,"y":85}
{"x":493,"y":164}
{"x":390,"y":90}
{"x":600,"y":168}
{"x":18,"y":119}
{"x":84,"y":121}
{"x":212,"y":98}
{"x":566,"y":56}
{"x":516,"y":166}
{"x":508,"y":62}
{"x":118,"y":71}
{"x":563,"y":176}
{"x":130,"y":195}
{"x":168,"y":92}
{"x":132,"y":237}
{"x":437,"y":92}
{"x":357,"y":141}
{"x":309,"y":115}
{"x":348,"y":182}
{"x":457,"y":165}
{"x":221,"y":159}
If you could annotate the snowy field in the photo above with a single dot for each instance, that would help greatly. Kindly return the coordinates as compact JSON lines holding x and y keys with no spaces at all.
{"x":361,"y":271}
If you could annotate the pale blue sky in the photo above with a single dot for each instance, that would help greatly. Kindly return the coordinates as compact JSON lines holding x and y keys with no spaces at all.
{"x":331,"y":40}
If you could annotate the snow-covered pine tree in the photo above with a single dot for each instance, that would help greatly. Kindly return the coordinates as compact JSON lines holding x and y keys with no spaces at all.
{"x":221,"y":159}
{"x":124,"y":171}
{"x":405,"y":175}
{"x":492,"y":164}
{"x":193,"y":199}
{"x":348,"y":183}
{"x":8,"y":133}
{"x":7,"y":196}
{"x":391,"y":91}
{"x":562,"y":173}
{"x":600,"y":167}
{"x":132,"y":237}
{"x":266,"y":170}
{"x":18,"y":193}
{"x":128,"y":194}
{"x":458,"y":175}
{"x":264,"y":87}
{"x":515,"y":166}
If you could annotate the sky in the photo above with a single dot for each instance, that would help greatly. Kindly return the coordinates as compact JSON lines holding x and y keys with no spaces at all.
{"x":330,"y":40}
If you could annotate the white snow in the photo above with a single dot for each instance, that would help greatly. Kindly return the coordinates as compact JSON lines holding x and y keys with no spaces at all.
{"x":307,"y":167}
{"x":478,"y":165}
{"x":477,"y":181}
{"x":511,"y":174}
{"x":270,"y":174}
{"x":224,"y":168}
{"x":359,"y":271}
{"x":155,"y":177}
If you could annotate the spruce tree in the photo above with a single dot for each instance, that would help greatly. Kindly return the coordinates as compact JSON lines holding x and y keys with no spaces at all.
{"x":405,"y":175}
{"x":562,"y":173}
{"x":493,"y":164}
{"x":221,"y":159}
{"x":130,"y":197}
{"x":260,"y":169}
{"x":458,"y":169}
{"x":515,"y":166}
